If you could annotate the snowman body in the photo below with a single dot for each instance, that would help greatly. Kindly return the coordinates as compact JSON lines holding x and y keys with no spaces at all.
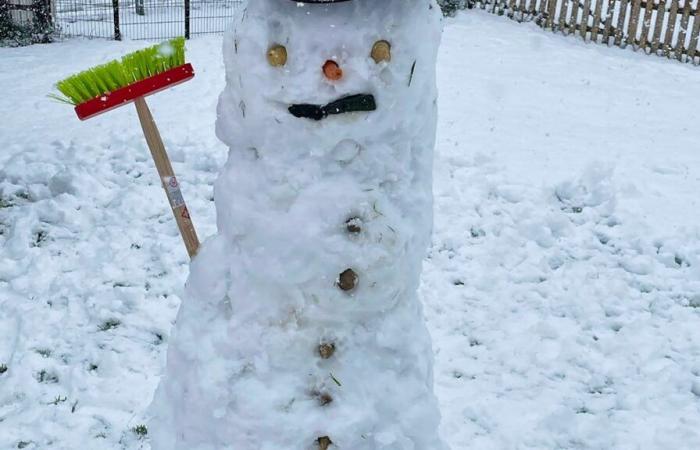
{"x":301,"y":327}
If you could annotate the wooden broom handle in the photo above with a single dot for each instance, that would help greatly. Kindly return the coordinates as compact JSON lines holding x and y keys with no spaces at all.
{"x":167,"y":177}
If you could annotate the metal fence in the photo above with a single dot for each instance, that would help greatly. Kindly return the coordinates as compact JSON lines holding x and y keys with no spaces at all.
{"x":142,"y":19}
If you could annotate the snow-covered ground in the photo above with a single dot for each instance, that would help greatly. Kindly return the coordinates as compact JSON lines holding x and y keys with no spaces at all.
{"x":562,"y":289}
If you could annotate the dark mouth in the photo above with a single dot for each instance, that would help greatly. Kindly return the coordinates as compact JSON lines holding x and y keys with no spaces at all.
{"x":351,"y":103}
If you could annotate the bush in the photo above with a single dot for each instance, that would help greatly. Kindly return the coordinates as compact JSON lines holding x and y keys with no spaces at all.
{"x":450,"y":7}
{"x":13,"y":34}
{"x":16,"y":36}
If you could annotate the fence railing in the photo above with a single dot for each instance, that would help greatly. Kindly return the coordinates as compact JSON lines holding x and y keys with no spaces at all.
{"x":663,"y":27}
{"x":142,"y":19}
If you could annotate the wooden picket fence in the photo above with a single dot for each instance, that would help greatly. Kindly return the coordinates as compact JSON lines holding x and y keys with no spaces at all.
{"x":662,"y":27}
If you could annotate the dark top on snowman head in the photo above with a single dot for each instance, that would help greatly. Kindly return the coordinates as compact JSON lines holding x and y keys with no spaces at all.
{"x":319,"y":1}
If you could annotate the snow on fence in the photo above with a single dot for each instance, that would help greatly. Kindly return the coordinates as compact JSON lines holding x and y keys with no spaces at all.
{"x":142,"y":19}
{"x":662,"y":27}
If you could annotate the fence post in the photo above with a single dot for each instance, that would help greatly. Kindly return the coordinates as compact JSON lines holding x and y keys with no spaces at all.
{"x":680,"y":46}
{"x":117,"y":31}
{"x":543,"y":12}
{"x":607,"y":29}
{"x":5,"y":20}
{"x":574,"y":17}
{"x":656,"y":37}
{"x":140,"y":8}
{"x":596,"y":20}
{"x":633,"y":23}
{"x":584,"y":19}
{"x":646,"y":25}
{"x":621,"y":31}
{"x":693,"y":45}
{"x":670,"y":28}
{"x":187,"y":19}
{"x":42,"y":15}
{"x":551,"y":14}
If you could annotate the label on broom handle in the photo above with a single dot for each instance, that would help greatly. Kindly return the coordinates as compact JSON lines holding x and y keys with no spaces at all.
{"x":172,"y":187}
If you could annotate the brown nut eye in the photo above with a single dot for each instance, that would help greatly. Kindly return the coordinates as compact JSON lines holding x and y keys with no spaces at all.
{"x":277,"y":55}
{"x":381,"y":51}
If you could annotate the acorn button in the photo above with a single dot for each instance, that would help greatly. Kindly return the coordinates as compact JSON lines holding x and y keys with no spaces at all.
{"x":324,"y":442}
{"x":326,"y":350}
{"x":347,"y":280}
{"x":354,"y":225}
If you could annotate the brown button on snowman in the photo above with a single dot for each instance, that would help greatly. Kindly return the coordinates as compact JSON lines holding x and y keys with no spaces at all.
{"x":301,"y":328}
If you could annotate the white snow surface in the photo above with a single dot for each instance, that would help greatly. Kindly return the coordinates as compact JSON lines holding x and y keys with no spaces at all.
{"x":244,"y":370}
{"x":562,"y":288}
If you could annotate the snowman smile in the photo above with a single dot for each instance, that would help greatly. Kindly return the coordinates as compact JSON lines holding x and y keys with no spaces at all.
{"x":347,"y":104}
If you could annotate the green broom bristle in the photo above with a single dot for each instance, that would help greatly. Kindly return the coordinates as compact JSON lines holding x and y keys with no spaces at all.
{"x":133,"y":67}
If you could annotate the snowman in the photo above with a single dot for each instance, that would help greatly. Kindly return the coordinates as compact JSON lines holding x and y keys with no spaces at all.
{"x":301,"y":328}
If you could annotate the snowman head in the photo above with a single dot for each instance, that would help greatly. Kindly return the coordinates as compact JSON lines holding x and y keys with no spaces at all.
{"x":326,"y":63}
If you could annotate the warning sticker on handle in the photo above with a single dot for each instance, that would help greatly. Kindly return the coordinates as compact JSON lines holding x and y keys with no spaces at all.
{"x":172,"y":187}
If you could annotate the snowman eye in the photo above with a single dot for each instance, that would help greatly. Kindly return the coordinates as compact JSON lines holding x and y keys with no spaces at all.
{"x":381,"y":51}
{"x":277,"y":55}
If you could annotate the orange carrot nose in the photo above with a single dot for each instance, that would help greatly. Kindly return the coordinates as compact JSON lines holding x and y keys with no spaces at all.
{"x":332,"y":70}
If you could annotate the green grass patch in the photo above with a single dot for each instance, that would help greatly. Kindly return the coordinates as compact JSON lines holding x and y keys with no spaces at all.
{"x":45,"y":352}
{"x":133,"y":67}
{"x":45,"y":376}
{"x":58,"y":400}
{"x":140,"y":430}
{"x":110,"y":324}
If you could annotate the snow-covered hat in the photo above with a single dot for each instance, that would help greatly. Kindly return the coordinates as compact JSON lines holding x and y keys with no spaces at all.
{"x":319,"y":1}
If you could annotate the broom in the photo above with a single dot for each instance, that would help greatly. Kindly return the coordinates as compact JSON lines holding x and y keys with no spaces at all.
{"x":131,"y":79}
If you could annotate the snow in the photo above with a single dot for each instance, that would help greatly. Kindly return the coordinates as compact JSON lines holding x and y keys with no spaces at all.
{"x":284,"y":275}
{"x":561,"y":289}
